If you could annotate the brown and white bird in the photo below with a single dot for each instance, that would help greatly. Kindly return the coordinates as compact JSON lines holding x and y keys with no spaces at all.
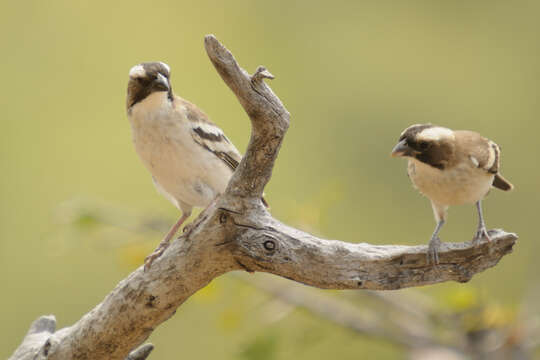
{"x":451,"y":168}
{"x":190,"y":159}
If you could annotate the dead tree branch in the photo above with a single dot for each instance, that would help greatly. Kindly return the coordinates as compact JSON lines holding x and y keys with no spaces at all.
{"x":237,"y":233}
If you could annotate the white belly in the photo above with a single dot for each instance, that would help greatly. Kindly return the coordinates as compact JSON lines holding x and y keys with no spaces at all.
{"x":183,"y":171}
{"x":459,"y":185}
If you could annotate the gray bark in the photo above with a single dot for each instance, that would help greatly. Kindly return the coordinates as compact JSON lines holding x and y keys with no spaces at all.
{"x":237,"y":233}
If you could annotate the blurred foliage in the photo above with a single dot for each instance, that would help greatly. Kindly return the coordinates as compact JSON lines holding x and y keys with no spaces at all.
{"x":261,"y":348}
{"x":462,"y":298}
{"x":353,"y":75}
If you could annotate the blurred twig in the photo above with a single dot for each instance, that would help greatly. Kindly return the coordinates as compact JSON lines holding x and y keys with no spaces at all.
{"x":339,"y":312}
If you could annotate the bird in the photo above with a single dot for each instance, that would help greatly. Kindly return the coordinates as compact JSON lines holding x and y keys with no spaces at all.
{"x":190,"y":159}
{"x":451,"y":168}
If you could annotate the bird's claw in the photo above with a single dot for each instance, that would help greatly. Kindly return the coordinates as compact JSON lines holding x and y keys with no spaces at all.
{"x":187,"y":228}
{"x":481,"y":233}
{"x":155,"y":254}
{"x":433,"y":251}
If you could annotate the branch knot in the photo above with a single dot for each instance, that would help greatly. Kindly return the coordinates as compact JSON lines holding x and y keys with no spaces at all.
{"x":269,"y":243}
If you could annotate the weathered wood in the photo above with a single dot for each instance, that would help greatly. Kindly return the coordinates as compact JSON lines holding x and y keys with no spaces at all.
{"x":269,"y":119}
{"x":36,"y":344}
{"x":236,"y":232}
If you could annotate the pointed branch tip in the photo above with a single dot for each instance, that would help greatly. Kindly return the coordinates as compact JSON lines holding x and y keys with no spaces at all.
{"x":216,"y":50}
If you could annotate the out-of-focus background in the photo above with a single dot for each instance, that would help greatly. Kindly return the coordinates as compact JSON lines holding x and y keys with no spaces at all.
{"x":352,"y":74}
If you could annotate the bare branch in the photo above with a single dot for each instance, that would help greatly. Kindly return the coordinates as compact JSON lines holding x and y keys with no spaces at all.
{"x":272,"y":247}
{"x":237,"y":233}
{"x":269,"y":119}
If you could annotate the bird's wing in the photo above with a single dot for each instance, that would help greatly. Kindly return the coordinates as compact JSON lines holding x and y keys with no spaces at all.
{"x":209,"y":136}
{"x":212,"y":138}
{"x":485,"y":155}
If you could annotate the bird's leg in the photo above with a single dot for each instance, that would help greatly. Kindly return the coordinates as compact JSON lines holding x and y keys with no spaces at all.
{"x":435,"y":244}
{"x":190,"y":226}
{"x":165,"y":242}
{"x":439,"y":210}
{"x":482,"y":230}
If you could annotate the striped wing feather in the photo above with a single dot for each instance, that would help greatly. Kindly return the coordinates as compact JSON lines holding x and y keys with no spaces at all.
{"x":211,"y":137}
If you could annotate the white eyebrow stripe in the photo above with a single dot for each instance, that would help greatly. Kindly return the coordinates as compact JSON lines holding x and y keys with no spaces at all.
{"x":166,"y":66}
{"x":492,"y":156}
{"x":436,"y":133}
{"x":137,"y":71}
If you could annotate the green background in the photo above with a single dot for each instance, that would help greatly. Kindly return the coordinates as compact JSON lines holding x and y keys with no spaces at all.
{"x":352,"y":74}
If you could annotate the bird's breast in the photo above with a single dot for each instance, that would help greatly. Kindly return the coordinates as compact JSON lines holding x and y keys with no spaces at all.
{"x":460,"y":184}
{"x":182,"y":169}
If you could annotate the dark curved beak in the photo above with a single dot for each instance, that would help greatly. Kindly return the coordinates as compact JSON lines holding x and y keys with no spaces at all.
{"x":161,"y":83}
{"x":401,"y":149}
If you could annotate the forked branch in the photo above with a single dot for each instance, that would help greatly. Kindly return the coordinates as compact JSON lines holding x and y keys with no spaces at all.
{"x":237,"y":233}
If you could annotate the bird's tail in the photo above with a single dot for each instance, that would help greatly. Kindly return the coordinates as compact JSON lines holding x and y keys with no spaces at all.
{"x":501,"y":183}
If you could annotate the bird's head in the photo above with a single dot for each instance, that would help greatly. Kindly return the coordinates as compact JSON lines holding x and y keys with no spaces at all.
{"x":145,"y":79}
{"x":430,"y":144}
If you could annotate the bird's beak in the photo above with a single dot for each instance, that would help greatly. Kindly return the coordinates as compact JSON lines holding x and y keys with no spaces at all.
{"x":401,"y":149}
{"x":162,"y":82}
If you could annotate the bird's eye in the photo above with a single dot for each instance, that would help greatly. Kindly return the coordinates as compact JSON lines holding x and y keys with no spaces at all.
{"x":423,"y":145}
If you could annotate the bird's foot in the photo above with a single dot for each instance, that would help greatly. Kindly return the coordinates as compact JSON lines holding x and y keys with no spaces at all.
{"x":481,"y":233}
{"x":433,"y":251}
{"x":163,"y":245}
